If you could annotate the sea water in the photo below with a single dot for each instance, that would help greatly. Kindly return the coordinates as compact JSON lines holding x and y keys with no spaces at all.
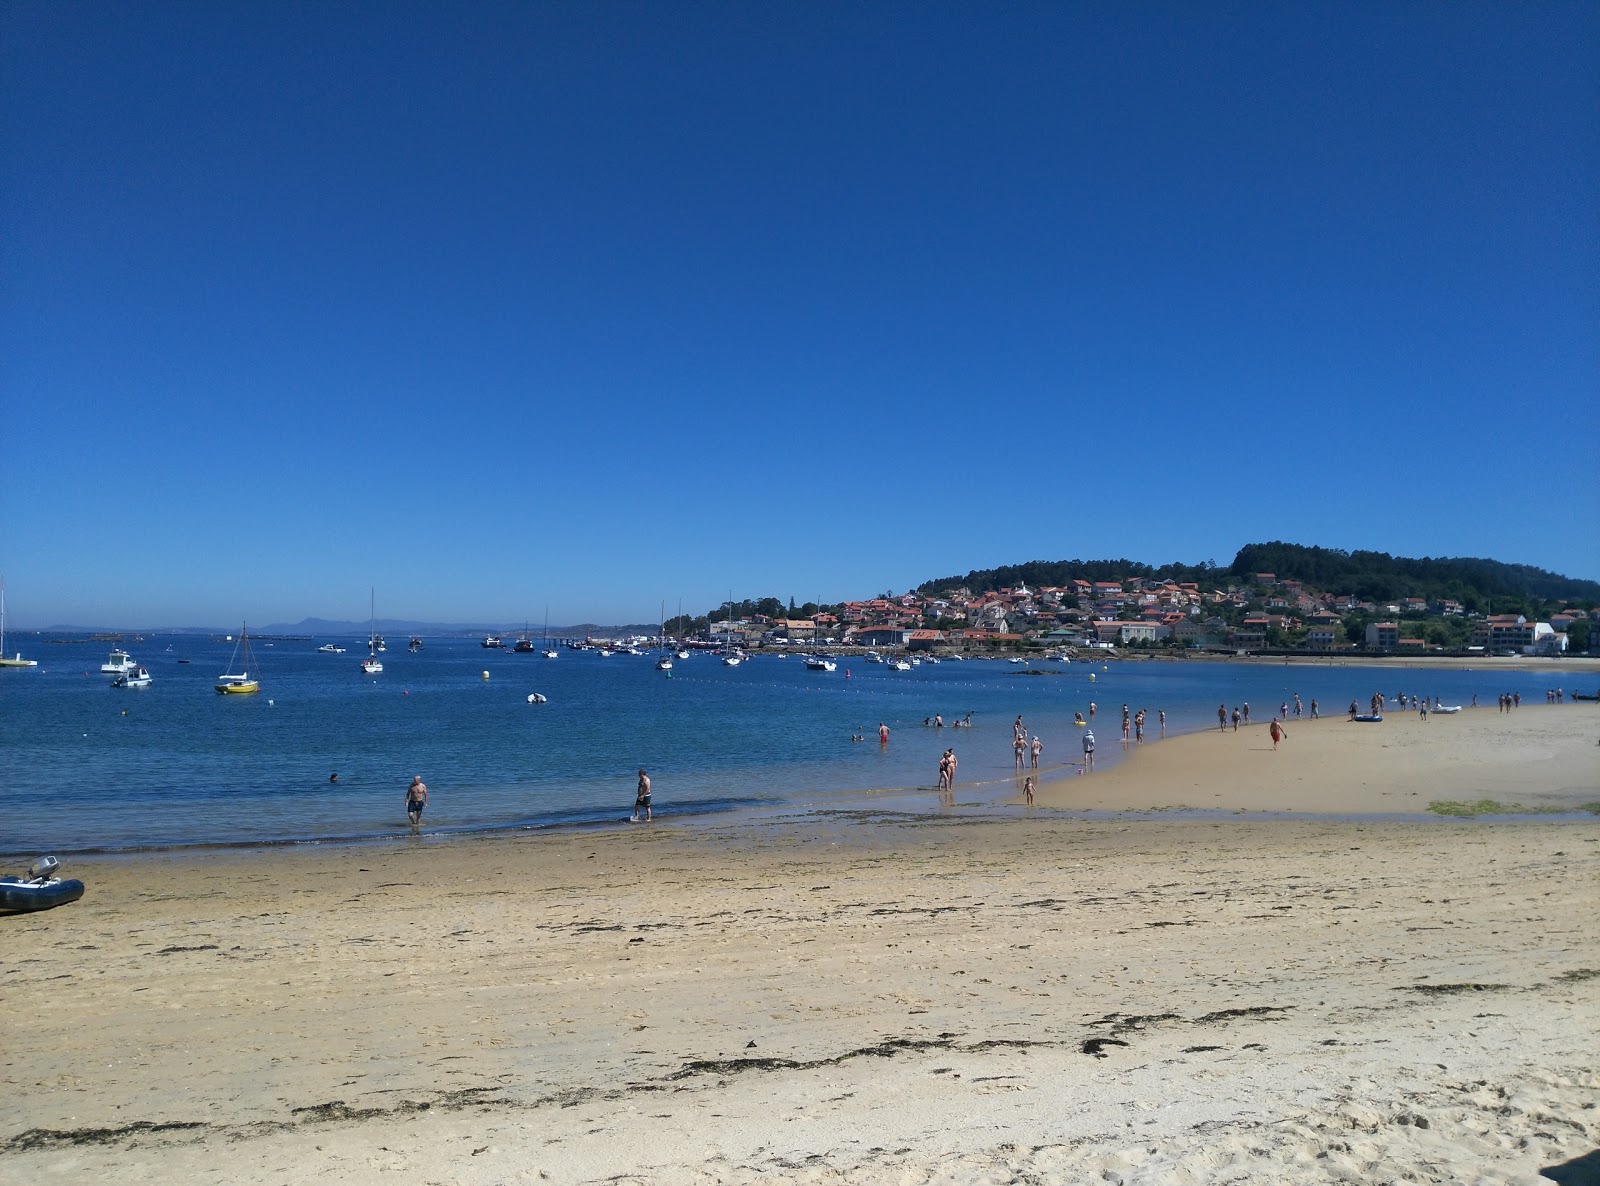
{"x":90,"y":767}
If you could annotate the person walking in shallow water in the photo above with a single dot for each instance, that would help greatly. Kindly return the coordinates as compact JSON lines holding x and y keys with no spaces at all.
{"x":416,"y":800}
{"x":641,"y":801}
{"x":1035,"y":750}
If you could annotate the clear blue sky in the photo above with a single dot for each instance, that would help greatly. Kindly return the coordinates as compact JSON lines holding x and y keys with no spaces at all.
{"x":494,"y":306}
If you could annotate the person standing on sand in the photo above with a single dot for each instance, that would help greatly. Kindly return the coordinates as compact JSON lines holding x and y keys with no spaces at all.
{"x":1236,"y":720}
{"x":642,"y":799}
{"x":1222,"y":718}
{"x":1088,"y":749}
{"x":416,"y":800}
{"x":1313,"y":708}
{"x":1161,"y":715}
{"x":1027,"y":790}
{"x":1277,"y":731}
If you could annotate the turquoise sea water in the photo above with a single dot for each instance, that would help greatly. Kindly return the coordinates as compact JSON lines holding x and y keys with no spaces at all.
{"x":88,"y":766}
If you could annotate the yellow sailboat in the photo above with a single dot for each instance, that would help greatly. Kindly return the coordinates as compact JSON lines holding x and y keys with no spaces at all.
{"x":240,"y":684}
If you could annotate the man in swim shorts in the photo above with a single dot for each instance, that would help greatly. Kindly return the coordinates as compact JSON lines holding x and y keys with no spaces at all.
{"x":416,"y":800}
{"x":642,"y":800}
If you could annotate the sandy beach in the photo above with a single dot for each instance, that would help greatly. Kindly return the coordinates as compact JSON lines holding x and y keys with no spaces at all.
{"x":852,"y":996}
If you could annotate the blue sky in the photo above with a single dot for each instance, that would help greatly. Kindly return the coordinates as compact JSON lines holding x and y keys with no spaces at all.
{"x":604,"y":305}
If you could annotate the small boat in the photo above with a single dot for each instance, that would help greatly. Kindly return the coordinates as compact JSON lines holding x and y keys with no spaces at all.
{"x":137,"y":678}
{"x":664,"y":664}
{"x":732,"y":660}
{"x":1447,"y":709}
{"x":819,"y":663}
{"x":523,"y":646}
{"x":930,"y":659}
{"x":328,"y":648}
{"x":372,"y":665}
{"x":119,"y":663}
{"x":492,"y":642}
{"x":1368,"y":718}
{"x":414,"y":645}
{"x":1585,"y":696}
{"x":39,"y":890}
{"x":537,"y":698}
{"x":683,"y":654}
{"x":18,"y":661}
{"x":552,"y":654}
{"x":241,"y":684}
{"x":899,"y":665}
{"x":605,"y":654}
{"x":873,"y":657}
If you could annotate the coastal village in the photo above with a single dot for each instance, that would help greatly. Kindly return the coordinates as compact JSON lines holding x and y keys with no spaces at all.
{"x":1262,"y":614}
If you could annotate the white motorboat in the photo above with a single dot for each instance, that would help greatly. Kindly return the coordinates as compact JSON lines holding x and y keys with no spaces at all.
{"x":137,"y":678}
{"x":328,"y":648}
{"x":605,"y":654}
{"x":552,"y":654}
{"x":930,"y":659}
{"x":663,"y":664}
{"x":898,"y":665}
{"x":819,"y":663}
{"x":683,"y":654}
{"x":732,"y":660}
{"x":120,"y":663}
{"x":873,"y":657}
{"x":492,"y":642}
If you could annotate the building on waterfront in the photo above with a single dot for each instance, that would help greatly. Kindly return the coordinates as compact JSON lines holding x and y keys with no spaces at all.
{"x":1383,"y":636}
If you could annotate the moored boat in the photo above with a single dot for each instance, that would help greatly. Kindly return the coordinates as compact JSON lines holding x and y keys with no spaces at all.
{"x":18,"y":660}
{"x":240,"y":684}
{"x":819,"y":663}
{"x":139,"y":677}
{"x":492,"y":642}
{"x":119,"y":663}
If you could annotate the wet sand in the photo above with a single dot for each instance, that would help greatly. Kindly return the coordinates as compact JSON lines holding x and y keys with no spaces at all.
{"x":848,"y":996}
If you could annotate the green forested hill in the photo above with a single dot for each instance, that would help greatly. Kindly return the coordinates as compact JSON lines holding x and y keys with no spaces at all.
{"x":1479,"y":584}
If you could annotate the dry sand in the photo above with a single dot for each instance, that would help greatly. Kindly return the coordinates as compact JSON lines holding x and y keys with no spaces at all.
{"x":841,"y":997}
{"x":1539,"y":756}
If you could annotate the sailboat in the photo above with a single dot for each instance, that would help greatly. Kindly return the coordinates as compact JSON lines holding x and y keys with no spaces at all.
{"x":549,"y":651}
{"x":18,"y":660}
{"x":240,"y":684}
{"x":664,"y":663}
{"x":372,"y":665}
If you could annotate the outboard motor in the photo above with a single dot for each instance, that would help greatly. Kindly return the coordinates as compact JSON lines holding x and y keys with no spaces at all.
{"x":43,"y":869}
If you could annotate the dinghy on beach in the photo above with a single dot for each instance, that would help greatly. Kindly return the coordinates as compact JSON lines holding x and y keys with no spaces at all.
{"x":39,"y":890}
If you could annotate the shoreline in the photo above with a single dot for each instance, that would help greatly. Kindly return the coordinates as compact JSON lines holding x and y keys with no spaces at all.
{"x":1535,"y":753}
